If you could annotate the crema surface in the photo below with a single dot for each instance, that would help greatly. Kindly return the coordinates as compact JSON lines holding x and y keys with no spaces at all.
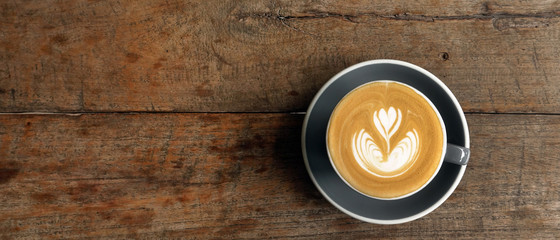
{"x":385,"y":139}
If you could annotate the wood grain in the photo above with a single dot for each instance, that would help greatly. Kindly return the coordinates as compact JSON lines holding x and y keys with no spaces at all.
{"x":110,"y":173}
{"x":242,"y":176}
{"x":268,"y":56}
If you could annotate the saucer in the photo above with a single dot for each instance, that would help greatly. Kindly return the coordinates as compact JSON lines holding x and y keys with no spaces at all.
{"x":335,"y":190}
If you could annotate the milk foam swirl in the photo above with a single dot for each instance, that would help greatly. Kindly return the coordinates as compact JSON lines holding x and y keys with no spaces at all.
{"x":372,"y":158}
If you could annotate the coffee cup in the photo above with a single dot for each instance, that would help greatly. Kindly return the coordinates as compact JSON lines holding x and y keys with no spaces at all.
{"x":387,"y":140}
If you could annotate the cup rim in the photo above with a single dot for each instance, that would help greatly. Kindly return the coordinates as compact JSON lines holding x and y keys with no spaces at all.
{"x":442,"y":125}
{"x":404,"y":64}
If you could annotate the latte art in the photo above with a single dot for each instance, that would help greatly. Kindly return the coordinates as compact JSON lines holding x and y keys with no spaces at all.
{"x":385,"y":139}
{"x":371,"y":157}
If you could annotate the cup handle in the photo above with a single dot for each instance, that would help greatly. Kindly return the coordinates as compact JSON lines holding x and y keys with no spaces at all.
{"x":457,"y":154}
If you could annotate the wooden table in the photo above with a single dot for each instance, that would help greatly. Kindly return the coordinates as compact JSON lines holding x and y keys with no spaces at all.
{"x":173,"y":119}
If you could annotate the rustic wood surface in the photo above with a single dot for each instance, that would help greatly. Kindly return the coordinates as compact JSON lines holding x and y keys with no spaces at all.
{"x":242,"y":176}
{"x":170,"y":119}
{"x":268,"y":56}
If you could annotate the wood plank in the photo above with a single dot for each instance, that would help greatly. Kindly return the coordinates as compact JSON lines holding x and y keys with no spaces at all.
{"x":270,"y":56}
{"x":242,"y":176}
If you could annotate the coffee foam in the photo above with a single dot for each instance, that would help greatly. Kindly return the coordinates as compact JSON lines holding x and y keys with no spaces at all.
{"x":373,"y":159}
{"x":385,"y":139}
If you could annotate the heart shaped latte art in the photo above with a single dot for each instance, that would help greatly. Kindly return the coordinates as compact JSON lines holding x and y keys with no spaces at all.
{"x":372,"y":158}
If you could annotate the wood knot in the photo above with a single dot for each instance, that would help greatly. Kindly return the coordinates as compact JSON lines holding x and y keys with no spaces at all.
{"x":444,"y":56}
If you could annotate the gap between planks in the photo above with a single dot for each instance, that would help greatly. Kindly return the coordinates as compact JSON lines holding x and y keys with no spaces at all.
{"x":273,"y":112}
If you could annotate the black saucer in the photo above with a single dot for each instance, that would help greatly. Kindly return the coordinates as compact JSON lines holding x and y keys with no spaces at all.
{"x":335,"y":189}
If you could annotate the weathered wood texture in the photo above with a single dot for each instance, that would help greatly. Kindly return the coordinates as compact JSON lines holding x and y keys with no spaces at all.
{"x":199,"y":175}
{"x":242,"y":176}
{"x":140,"y":55}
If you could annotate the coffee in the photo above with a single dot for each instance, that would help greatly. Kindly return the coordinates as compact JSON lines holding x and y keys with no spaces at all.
{"x":385,"y":139}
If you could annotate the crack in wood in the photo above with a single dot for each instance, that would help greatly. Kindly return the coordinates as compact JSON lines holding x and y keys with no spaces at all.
{"x":402,"y":16}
